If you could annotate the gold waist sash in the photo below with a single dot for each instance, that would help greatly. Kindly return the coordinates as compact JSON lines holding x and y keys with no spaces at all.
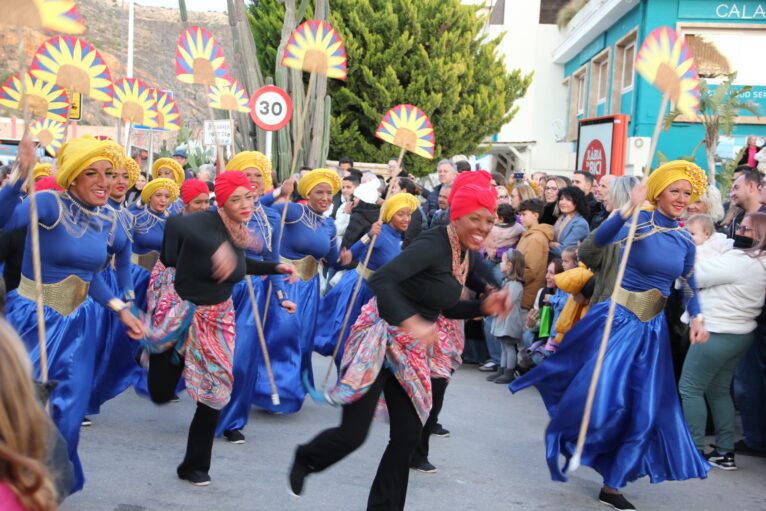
{"x":306,"y":267}
{"x":645,"y":305}
{"x":146,"y":261}
{"x":63,"y":297}
{"x":365,"y":272}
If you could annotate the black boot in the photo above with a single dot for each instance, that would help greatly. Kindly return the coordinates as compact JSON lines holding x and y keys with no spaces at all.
{"x":506,"y":377}
{"x":495,"y":375}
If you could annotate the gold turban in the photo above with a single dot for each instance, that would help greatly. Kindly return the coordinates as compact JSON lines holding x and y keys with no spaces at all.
{"x":672,"y":171}
{"x":246,"y":159}
{"x":397,"y":202}
{"x":155,"y":184}
{"x":317,"y":176}
{"x":42,"y":170}
{"x":178,"y":170}
{"x":133,"y":171}
{"x":78,"y":154}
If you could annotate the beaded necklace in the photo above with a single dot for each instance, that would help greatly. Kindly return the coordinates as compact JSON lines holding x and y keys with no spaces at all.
{"x":146,"y":220}
{"x":459,"y":268}
{"x":262,"y":221}
{"x":311,"y":219}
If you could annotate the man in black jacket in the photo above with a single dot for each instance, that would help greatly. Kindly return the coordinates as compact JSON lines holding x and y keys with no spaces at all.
{"x":585,"y":181}
{"x":446,"y":173}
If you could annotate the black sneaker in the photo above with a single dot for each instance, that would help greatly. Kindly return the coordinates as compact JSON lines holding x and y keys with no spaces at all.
{"x":86,"y":422}
{"x":297,"y":476}
{"x":424,"y":466}
{"x":195,"y":477}
{"x":616,"y":500}
{"x":234,"y":436}
{"x":440,"y":431}
{"x":175,"y":399}
{"x":723,"y":461}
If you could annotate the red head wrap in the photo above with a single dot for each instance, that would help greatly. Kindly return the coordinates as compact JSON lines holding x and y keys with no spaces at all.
{"x":227,"y":182}
{"x":192,"y":188}
{"x":47,"y":183}
{"x":482,"y":178}
{"x":470,"y":198}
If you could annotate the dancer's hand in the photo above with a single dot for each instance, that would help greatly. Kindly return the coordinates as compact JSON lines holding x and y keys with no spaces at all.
{"x":698,"y":334}
{"x":288,"y":306}
{"x":134,"y":325}
{"x":224,"y":262}
{"x":420,"y":329}
{"x":376,"y":227}
{"x":287,"y":188}
{"x":25,"y":156}
{"x":290,"y":271}
{"x":638,"y":195}
{"x":497,"y":303}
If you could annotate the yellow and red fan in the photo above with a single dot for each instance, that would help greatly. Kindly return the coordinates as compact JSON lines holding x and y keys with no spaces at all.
{"x":317,"y":48}
{"x":53,"y":15}
{"x":133,"y":102}
{"x":50,"y":134}
{"x":168,"y":117}
{"x":666,"y":61}
{"x":199,"y":58}
{"x":74,"y":65}
{"x":408,"y":127}
{"x":43,"y":99}
{"x":231,"y":96}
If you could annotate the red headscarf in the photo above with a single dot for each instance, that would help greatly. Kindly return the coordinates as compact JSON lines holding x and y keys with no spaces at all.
{"x":47,"y":183}
{"x":470,"y":198}
{"x":227,"y":182}
{"x":482,"y":178}
{"x":192,"y":188}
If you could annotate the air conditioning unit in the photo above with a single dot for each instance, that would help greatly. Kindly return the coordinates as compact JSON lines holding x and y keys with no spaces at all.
{"x":637,"y":154}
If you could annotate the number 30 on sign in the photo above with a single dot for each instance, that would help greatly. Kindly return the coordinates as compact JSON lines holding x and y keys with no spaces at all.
{"x":271,"y":108}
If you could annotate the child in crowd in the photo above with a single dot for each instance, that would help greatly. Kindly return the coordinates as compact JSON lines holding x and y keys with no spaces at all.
{"x":709,"y":242}
{"x":508,"y":330}
{"x":569,"y":259}
{"x":505,"y":234}
{"x":534,"y":246}
{"x":579,"y":284}
{"x":542,"y":318}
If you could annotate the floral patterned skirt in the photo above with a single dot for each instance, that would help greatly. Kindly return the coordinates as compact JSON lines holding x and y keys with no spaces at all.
{"x":445,"y":356}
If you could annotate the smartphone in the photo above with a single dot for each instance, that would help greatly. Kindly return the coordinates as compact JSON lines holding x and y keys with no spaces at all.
{"x":518,"y":175}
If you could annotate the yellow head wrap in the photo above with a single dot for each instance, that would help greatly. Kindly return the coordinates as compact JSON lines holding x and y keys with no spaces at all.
{"x":246,"y":159}
{"x":155,"y":184}
{"x":317,"y":176}
{"x":673,"y":171}
{"x":42,"y":170}
{"x":133,"y":171}
{"x":78,"y":154}
{"x":397,"y":202}
{"x":178,"y":170}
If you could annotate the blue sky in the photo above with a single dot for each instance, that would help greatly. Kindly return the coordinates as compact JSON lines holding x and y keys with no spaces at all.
{"x":192,"y":5}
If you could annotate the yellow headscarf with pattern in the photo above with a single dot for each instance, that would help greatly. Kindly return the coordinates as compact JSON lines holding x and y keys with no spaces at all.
{"x":155,"y":184}
{"x":246,"y":159}
{"x":672,"y":171}
{"x":78,"y":154}
{"x":133,"y":171}
{"x":317,"y":176}
{"x":178,"y":170}
{"x":396,"y":202}
{"x":42,"y":170}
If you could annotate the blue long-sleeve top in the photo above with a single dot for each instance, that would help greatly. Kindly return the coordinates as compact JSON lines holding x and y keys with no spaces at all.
{"x":121,"y":246}
{"x":149,"y":228}
{"x":662,"y":252}
{"x":308,"y":232}
{"x":73,"y":237}
{"x":264,"y":226}
{"x":387,"y":246}
{"x":576,"y":230}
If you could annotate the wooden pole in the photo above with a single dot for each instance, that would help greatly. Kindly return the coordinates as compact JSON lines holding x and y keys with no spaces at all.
{"x":574,"y":463}
{"x":262,"y":339}
{"x":219,"y":155}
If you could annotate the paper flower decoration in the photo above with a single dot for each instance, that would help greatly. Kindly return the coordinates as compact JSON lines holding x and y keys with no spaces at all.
{"x":229,"y":97}
{"x":168,"y":117}
{"x":54,"y":15}
{"x":408,"y":126}
{"x":316,"y":47}
{"x":75,"y":65}
{"x":665,"y":60}
{"x":133,"y":102}
{"x":102,"y":137}
{"x":49,"y":133}
{"x":199,"y":58}
{"x":43,"y":99}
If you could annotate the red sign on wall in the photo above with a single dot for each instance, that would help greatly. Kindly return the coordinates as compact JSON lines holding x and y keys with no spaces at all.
{"x":601,"y":145}
{"x":594,"y":160}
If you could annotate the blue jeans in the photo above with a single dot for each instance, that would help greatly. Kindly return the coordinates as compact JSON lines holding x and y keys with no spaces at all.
{"x":493,"y":345}
{"x":750,"y":392}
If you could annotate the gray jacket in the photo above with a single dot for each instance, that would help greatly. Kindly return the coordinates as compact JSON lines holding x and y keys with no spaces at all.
{"x":513,"y":324}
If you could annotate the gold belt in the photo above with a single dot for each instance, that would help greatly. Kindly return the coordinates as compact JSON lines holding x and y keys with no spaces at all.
{"x":645,"y":305}
{"x":306,"y":267}
{"x":365,"y":272}
{"x":146,"y":261}
{"x":63,"y":297}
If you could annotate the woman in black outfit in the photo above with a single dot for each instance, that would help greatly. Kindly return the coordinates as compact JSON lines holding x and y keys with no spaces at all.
{"x":386,"y":352}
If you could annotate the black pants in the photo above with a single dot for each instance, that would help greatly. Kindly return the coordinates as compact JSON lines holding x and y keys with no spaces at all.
{"x":389,"y":488}
{"x":438,"y":388}
{"x":163,"y":379}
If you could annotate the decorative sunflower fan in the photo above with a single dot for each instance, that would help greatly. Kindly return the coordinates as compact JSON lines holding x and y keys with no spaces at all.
{"x":53,"y":15}
{"x":133,"y":102}
{"x":666,"y":61}
{"x":408,"y":127}
{"x":230,"y":97}
{"x":43,"y":99}
{"x":199,"y":58}
{"x":168,"y":117}
{"x":317,"y":48}
{"x":50,"y":134}
{"x":75,"y":65}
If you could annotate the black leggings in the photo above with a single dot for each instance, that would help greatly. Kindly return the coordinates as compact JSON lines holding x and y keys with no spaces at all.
{"x":389,"y":489}
{"x":163,"y":379}
{"x":438,"y":388}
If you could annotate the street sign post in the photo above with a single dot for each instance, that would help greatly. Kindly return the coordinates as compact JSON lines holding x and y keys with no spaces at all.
{"x":271,"y":109}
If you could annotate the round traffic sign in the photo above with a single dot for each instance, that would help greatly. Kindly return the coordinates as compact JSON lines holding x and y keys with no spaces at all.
{"x":271,"y":108}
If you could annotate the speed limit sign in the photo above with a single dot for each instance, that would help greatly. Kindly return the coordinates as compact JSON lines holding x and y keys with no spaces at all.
{"x":271,"y":108}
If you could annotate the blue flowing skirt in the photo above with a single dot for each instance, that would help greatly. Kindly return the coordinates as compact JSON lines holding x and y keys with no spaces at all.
{"x":247,"y":356}
{"x":637,"y":427}
{"x":115,"y":368}
{"x":70,"y":342}
{"x":290,"y":340}
{"x":140,"y":286}
{"x":332,"y":310}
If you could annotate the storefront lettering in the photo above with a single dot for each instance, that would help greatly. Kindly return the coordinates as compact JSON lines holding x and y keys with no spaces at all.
{"x":741,"y":11}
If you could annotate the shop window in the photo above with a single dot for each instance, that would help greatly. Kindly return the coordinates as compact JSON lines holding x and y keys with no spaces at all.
{"x":719,"y":51}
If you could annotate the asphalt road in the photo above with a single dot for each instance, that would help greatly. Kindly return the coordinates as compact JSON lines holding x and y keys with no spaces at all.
{"x":494,"y":460}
